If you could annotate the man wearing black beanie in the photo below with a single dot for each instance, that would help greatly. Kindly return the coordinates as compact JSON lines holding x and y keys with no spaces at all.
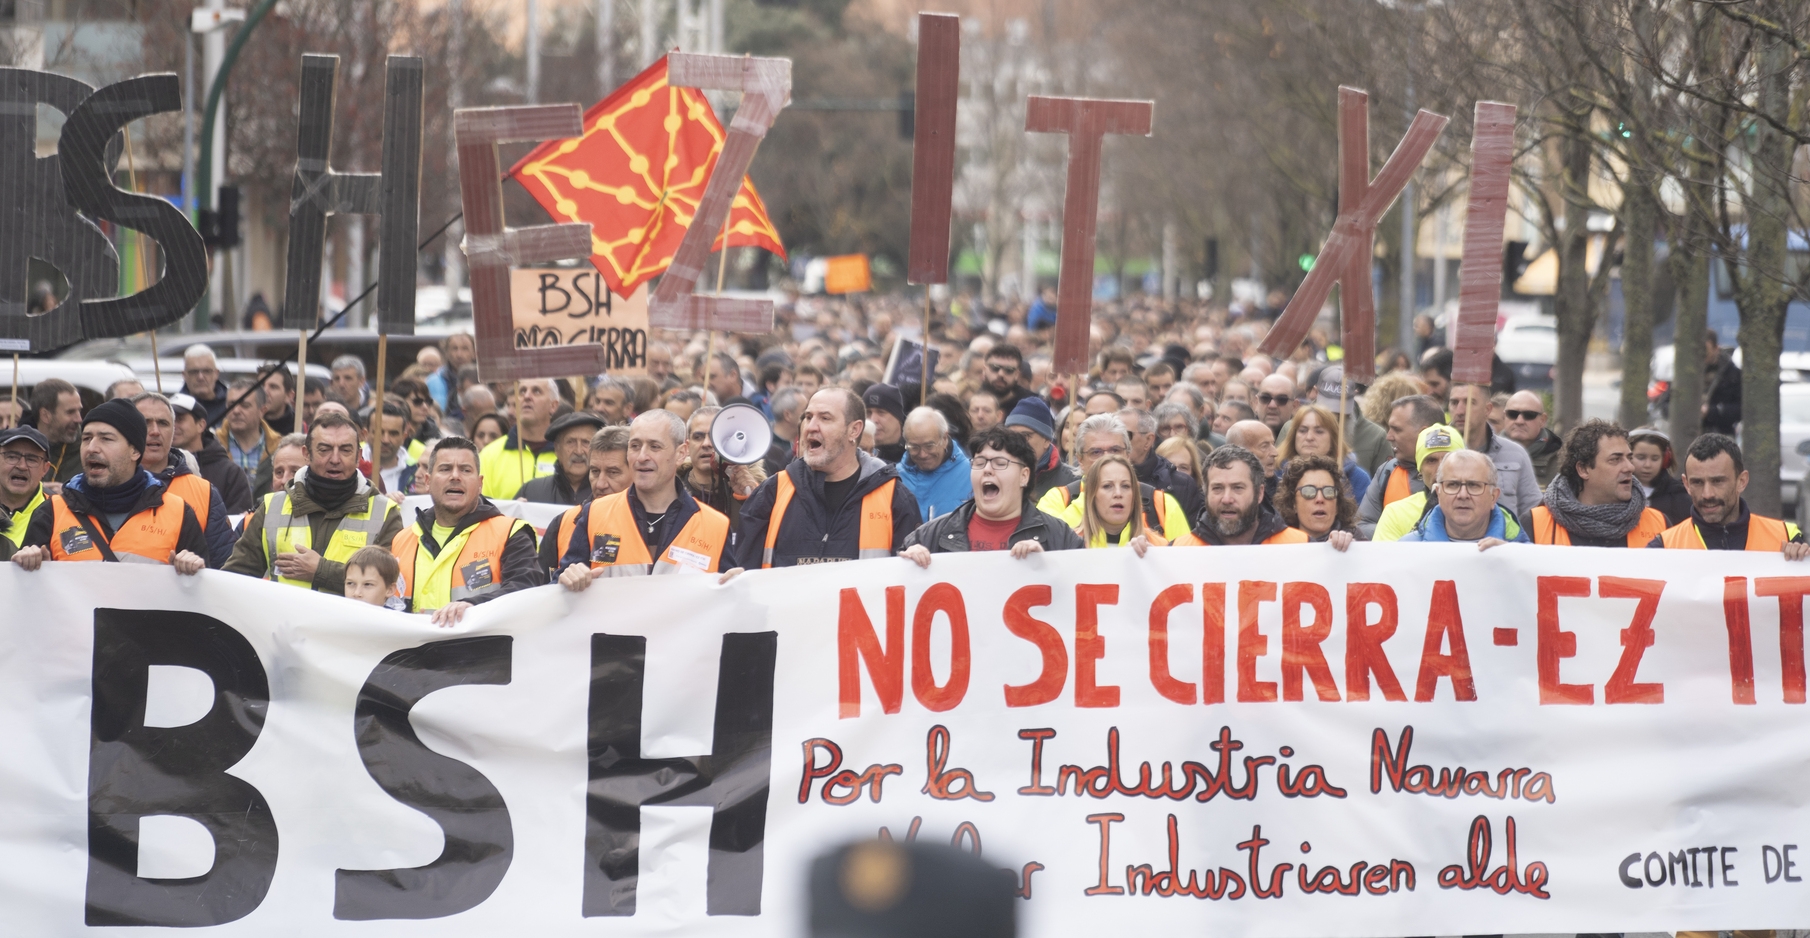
{"x":115,"y":510}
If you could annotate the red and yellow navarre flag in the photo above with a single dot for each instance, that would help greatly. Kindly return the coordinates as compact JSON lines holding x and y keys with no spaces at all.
{"x":637,"y":176}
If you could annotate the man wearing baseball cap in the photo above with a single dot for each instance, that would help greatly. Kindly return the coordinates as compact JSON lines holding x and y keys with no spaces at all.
{"x":24,"y":459}
{"x":1031,"y":419}
{"x":114,"y":510}
{"x":212,"y":461}
{"x":1364,"y":439}
{"x":1430,"y":448}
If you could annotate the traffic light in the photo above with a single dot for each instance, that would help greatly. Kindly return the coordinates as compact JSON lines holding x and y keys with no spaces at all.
{"x":1514,"y":263}
{"x":227,"y":217}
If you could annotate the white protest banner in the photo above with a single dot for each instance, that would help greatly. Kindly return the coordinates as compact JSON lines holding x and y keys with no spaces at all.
{"x":1405,"y":739}
{"x":572,"y":305}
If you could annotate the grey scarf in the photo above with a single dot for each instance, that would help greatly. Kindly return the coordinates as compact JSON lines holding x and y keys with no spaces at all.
{"x":1610,"y":521}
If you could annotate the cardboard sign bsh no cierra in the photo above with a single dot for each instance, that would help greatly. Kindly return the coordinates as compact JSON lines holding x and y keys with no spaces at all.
{"x":572,"y":305}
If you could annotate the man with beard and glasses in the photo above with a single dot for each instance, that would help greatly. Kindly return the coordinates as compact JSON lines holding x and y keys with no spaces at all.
{"x":999,"y":516}
{"x":1236,"y":512}
{"x":113,"y":510}
{"x":833,"y":502}
{"x":1594,"y":501}
{"x":1716,"y":476}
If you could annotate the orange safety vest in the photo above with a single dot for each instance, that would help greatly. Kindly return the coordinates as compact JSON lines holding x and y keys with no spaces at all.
{"x":1763,"y":534}
{"x":1399,"y":486}
{"x":876,"y":520}
{"x":617,"y":537}
{"x":567,"y":524}
{"x":1547,"y":530}
{"x":1284,"y":536}
{"x":147,"y":537}
{"x":197,"y":492}
{"x":478,"y":570}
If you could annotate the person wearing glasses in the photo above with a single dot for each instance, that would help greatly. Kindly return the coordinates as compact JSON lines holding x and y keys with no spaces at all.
{"x":1467,"y":512}
{"x":1004,"y":376}
{"x":1595,"y":501}
{"x":999,"y":516}
{"x":1105,"y":435}
{"x":24,"y":458}
{"x":1275,"y":403}
{"x":934,"y":468}
{"x":1526,"y":413}
{"x":1315,"y":498}
{"x":201,"y":381}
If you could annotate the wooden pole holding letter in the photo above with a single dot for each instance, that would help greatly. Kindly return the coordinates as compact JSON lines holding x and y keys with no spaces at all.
{"x":1086,"y":121}
{"x":933,"y":161}
{"x":377,"y":398}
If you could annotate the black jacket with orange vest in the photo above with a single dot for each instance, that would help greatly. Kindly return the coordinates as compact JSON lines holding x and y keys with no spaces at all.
{"x":807,"y":534}
{"x":188,"y":537}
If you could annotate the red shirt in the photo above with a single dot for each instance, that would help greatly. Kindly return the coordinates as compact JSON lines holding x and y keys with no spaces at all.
{"x":990,"y":535}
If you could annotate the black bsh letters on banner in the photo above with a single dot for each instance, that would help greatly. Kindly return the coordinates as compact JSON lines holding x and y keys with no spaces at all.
{"x":732,"y":778}
{"x":135,"y":771}
{"x":479,"y":840}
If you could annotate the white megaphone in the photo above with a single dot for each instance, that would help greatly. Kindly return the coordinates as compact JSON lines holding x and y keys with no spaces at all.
{"x":741,"y":434}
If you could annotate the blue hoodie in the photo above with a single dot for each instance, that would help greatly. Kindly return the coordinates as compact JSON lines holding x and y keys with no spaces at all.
{"x":1501,"y":525}
{"x":942,"y":490}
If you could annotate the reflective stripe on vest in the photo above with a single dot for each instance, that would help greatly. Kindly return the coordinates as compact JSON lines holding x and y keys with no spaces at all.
{"x":876,"y":520}
{"x":15,"y":531}
{"x":283,"y":535}
{"x":1763,"y":534}
{"x":1547,"y":530}
{"x":149,"y":536}
{"x":197,"y":492}
{"x":1400,"y":486}
{"x":468,"y":565}
{"x":697,"y":545}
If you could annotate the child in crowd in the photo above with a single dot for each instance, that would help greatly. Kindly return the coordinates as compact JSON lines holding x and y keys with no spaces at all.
{"x":371,"y":578}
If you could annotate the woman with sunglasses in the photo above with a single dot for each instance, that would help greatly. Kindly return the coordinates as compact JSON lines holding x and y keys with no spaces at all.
{"x":1313,"y":497}
{"x":1652,"y":458}
{"x":1314,"y":432}
{"x":1114,"y":513}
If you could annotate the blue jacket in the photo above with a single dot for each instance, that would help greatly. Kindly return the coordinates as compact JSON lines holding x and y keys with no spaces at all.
{"x":1501,"y":524}
{"x":943,"y":489}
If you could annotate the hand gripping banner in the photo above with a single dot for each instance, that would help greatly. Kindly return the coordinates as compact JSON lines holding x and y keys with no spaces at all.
{"x":1265,"y":742}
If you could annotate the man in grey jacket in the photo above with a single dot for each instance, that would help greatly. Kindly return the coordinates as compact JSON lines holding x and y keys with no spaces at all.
{"x":1514,"y":468}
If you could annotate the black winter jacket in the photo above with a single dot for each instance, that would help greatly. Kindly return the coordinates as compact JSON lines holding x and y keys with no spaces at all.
{"x":807,"y":534}
{"x":948,"y":534}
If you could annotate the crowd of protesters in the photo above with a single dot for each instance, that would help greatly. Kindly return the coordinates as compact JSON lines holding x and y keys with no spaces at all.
{"x":1179,"y":434}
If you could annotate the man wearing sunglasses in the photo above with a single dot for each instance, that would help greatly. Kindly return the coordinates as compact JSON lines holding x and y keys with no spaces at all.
{"x":1526,"y":414}
{"x":999,"y":516}
{"x":1005,"y":375}
{"x":1275,"y":403}
{"x":1467,"y":512}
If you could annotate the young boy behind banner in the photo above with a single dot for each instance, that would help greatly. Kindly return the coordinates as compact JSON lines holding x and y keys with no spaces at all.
{"x":371,"y":576}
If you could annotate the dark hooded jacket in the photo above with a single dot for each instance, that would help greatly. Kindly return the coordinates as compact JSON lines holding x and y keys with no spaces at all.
{"x":1670,"y":497}
{"x":220,"y":534}
{"x":216,"y":408}
{"x":808,"y":534}
{"x":521,"y":558}
{"x":948,"y":533}
{"x":75,"y":495}
{"x":218,"y":468}
{"x":1052,"y":473}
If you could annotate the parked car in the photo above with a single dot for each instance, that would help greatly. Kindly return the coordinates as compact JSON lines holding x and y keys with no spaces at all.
{"x":1529,"y":344}
{"x":90,"y":378}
